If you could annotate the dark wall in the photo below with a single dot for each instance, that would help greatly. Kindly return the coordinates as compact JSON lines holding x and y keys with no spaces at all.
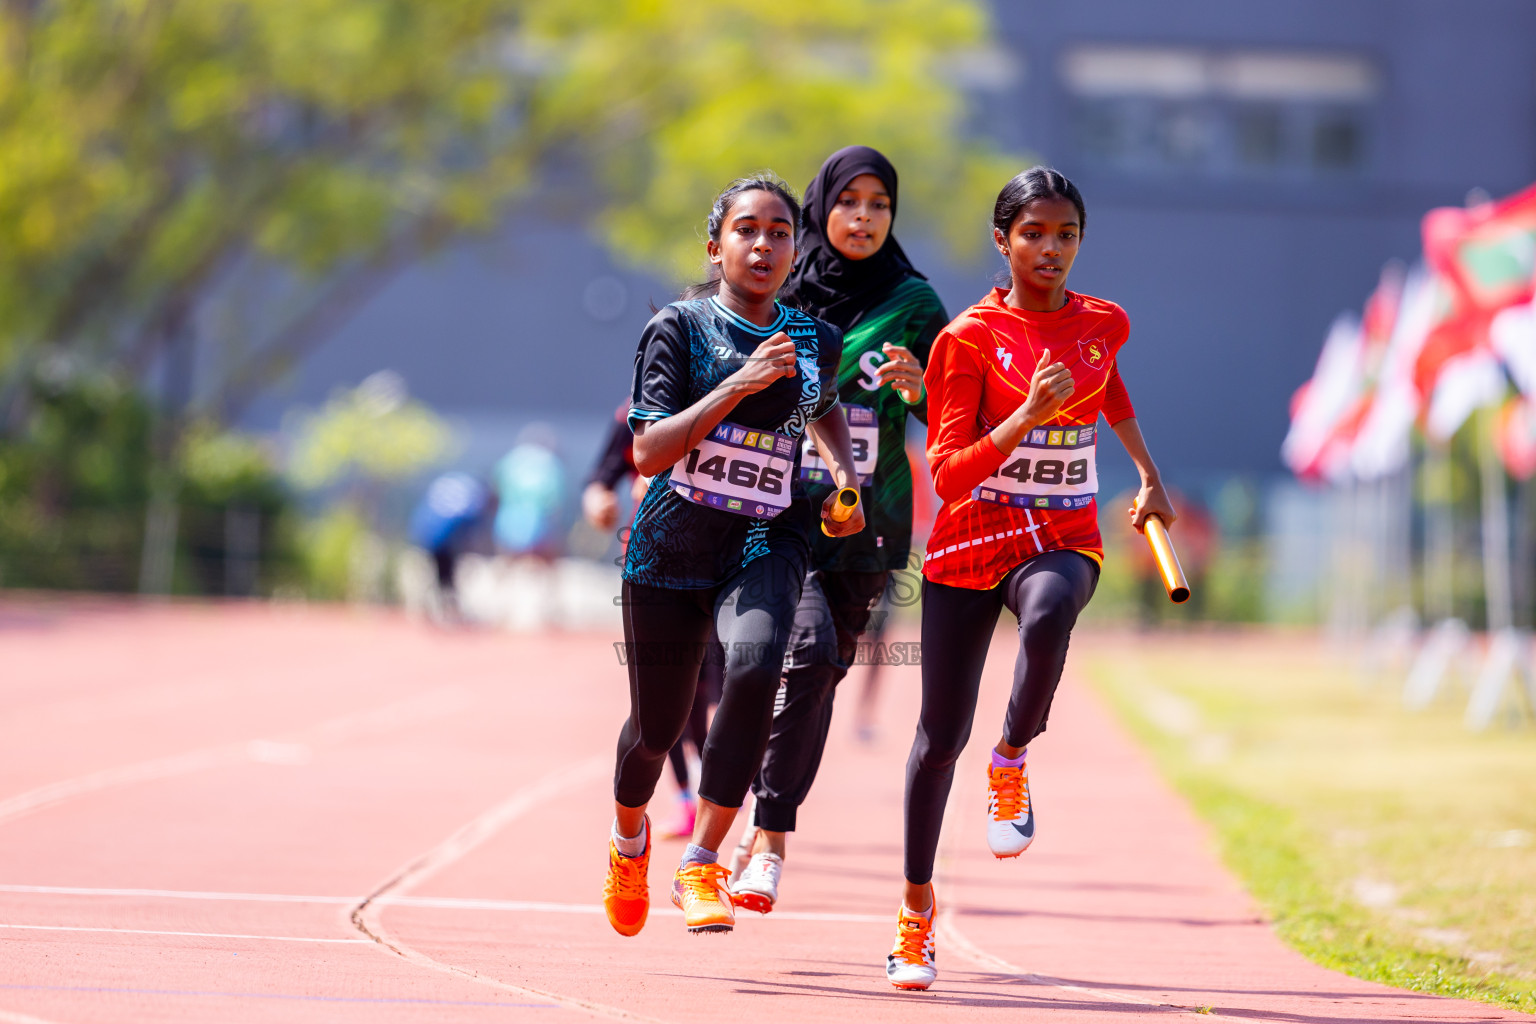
{"x":1230,"y":279}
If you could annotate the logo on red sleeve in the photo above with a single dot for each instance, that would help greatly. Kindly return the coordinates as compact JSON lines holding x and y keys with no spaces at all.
{"x":1092,"y":351}
{"x":1005,"y":357}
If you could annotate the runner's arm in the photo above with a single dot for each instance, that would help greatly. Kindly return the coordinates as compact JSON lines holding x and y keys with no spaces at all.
{"x":1152,"y":499}
{"x":659,"y":443}
{"x":957,"y":388}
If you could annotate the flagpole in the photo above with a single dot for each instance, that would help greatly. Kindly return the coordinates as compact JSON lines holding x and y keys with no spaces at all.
{"x":1446,"y":637}
{"x":1439,"y":534}
{"x":1524,"y":556}
{"x":1508,"y":648}
{"x":1495,"y":515}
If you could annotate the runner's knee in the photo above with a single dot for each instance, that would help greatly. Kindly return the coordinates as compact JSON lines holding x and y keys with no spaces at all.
{"x":938,"y":750}
{"x":1048,"y":618}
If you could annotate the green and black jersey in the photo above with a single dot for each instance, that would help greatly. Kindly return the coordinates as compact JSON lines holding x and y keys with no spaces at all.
{"x":911,"y":315}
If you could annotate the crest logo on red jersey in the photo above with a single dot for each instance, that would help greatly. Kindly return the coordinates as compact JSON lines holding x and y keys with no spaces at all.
{"x":1093,"y":352}
{"x":1005,"y":357}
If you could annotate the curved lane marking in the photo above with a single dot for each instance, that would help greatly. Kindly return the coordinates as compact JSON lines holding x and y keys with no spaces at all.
{"x":953,"y":938}
{"x":949,"y":933}
{"x":367,"y":915}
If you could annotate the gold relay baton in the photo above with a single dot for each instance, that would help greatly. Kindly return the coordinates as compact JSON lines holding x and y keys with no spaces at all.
{"x":1167,"y":559}
{"x":842,"y":509}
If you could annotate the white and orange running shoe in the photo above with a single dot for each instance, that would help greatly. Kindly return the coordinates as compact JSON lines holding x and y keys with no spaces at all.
{"x":701,"y":893}
{"x":757,"y":887}
{"x":910,"y":964}
{"x":626,"y":893}
{"x":1010,"y":818}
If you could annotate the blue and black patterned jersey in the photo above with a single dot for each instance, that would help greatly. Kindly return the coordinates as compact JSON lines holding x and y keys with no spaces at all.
{"x":687,"y":350}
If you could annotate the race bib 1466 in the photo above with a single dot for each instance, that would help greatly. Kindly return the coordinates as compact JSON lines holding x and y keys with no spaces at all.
{"x":1053,"y":467}
{"x":738,"y":469}
{"x":863,"y":431}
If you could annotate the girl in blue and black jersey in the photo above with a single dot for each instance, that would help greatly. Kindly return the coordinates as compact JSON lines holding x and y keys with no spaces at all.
{"x":725,"y":387}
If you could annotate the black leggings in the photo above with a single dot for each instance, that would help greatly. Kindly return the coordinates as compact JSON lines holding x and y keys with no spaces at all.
{"x":705,"y":697}
{"x":834,"y":610}
{"x":1046,"y":593}
{"x":666,"y":633}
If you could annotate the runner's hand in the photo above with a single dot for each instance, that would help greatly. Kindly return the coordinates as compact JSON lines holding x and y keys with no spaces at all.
{"x":1049,"y":388}
{"x":600,"y":506}
{"x":772,"y":359}
{"x":1152,"y":500}
{"x":902,"y":371}
{"x":853,"y":524}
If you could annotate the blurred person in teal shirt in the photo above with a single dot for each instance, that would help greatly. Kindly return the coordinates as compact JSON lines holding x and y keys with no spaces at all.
{"x":530,"y":482}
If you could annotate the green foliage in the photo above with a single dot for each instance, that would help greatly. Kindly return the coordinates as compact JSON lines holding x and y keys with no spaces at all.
{"x":679,"y":100}
{"x":75,"y":479}
{"x":329,"y":548}
{"x":223,"y":466}
{"x":73,"y":483}
{"x":369,"y":433}
{"x":150,"y":150}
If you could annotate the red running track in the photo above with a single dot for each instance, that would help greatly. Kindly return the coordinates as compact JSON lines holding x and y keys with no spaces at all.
{"x":244,"y":814}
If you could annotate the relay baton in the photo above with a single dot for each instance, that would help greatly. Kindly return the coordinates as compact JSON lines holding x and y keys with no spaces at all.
{"x":847,"y":501}
{"x":1167,"y":559}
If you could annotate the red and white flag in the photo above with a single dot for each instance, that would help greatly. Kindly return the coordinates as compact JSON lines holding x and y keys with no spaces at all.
{"x":1321,"y":409}
{"x":1486,"y":257}
{"x":1382,"y":444}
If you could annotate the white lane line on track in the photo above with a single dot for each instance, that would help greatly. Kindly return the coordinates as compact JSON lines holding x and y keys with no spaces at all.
{"x":401,"y":713}
{"x":174,"y":894}
{"x":150,"y":931}
{"x":526,"y":906}
{"x":951,"y":937}
{"x":11,"y":1017}
{"x":366,"y":916}
{"x":427,"y":902}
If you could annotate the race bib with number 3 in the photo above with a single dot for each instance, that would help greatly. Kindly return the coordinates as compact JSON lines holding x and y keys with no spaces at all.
{"x":1052,"y":468}
{"x":863,"y":431}
{"x":738,"y":469}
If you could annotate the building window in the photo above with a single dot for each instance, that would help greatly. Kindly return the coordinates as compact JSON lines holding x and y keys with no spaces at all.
{"x":1336,"y":144}
{"x":1261,"y":141}
{"x":1146,"y":109}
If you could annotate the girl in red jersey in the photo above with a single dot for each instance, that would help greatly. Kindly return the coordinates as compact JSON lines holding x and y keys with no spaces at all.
{"x":1016,"y":385}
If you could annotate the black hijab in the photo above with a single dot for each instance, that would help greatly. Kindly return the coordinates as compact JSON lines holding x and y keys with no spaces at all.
{"x":825,"y":283}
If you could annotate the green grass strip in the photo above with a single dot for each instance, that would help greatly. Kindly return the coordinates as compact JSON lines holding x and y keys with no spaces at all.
{"x":1279,"y":862}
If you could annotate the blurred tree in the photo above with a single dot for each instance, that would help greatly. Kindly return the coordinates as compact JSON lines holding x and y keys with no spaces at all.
{"x":373,"y":433}
{"x":151,"y":150}
{"x":671,"y":99}
{"x":75,"y":479}
{"x":364,"y":439}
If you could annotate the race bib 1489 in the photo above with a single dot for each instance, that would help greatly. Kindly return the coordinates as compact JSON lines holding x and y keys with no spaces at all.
{"x":738,"y":469}
{"x":863,"y":431}
{"x":1052,"y":468}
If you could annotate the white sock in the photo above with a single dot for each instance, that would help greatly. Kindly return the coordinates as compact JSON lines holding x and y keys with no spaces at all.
{"x":629,"y":846}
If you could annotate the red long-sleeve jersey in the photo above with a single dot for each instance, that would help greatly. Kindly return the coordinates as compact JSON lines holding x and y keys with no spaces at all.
{"x":1001,"y":509}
